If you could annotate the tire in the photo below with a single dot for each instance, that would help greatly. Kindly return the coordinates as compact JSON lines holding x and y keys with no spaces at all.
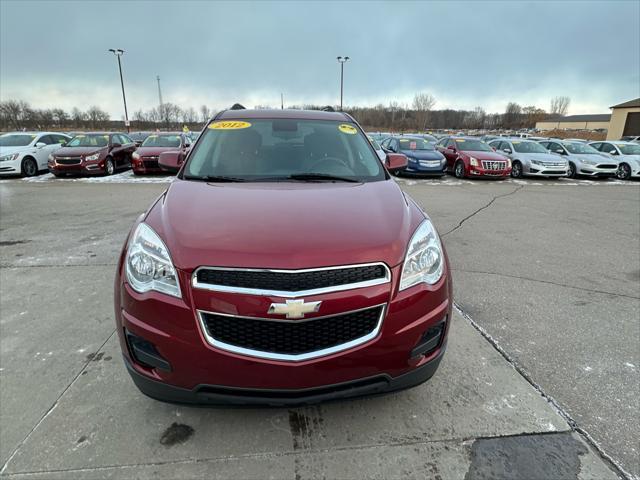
{"x":109,"y":167}
{"x":624,"y":172}
{"x":571,"y":173}
{"x":458,"y":170}
{"x":516,"y":169}
{"x":29,"y":167}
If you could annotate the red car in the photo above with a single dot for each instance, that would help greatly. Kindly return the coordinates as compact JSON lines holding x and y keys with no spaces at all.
{"x":471,"y":157}
{"x":282,"y":266}
{"x":92,"y":154}
{"x":145,"y":158}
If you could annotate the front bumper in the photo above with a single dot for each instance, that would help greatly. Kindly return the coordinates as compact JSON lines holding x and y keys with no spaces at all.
{"x":222,"y":395}
{"x":11,"y":167}
{"x":84,"y":168}
{"x":421,"y":167}
{"x":199,"y":372}
{"x":481,"y":172}
{"x":546,"y":171}
{"x":146,"y":166}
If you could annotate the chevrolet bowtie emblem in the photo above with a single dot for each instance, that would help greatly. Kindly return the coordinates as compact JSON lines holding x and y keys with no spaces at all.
{"x":294,"y":308}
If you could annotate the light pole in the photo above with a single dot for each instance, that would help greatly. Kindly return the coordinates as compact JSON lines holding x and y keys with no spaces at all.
{"x":118,"y":53}
{"x":342,"y":61}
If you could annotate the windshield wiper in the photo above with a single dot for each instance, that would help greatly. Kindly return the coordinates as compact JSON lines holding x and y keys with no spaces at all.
{"x":321,"y":177}
{"x":214,"y":178}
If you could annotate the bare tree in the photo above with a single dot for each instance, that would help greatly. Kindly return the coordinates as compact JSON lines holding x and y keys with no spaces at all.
{"x":96,"y":116}
{"x":77,"y":116}
{"x":15,"y":112}
{"x":560,"y":105}
{"x":422,"y":104}
{"x":205,"y":113}
{"x":512,"y":115}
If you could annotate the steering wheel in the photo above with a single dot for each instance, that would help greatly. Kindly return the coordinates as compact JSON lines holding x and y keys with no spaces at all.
{"x":329,"y":160}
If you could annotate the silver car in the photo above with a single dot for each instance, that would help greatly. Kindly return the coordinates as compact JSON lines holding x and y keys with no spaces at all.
{"x":626,"y":153}
{"x":530,"y":158}
{"x":583,"y":159}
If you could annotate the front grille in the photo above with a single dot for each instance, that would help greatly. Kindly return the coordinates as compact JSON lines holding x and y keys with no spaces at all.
{"x":68,"y":160}
{"x":150,"y":162}
{"x":291,"y":281}
{"x":554,"y":172}
{"x":290,"y":337}
{"x":493,"y":165}
{"x":607,"y":165}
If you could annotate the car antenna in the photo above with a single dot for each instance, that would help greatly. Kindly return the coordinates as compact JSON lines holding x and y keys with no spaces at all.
{"x":237,"y":106}
{"x":328,"y":108}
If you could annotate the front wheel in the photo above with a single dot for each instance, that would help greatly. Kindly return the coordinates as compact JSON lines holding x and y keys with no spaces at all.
{"x":109,"y":167}
{"x":624,"y":171}
{"x":459,"y":169}
{"x":571,"y":173}
{"x":516,"y":170}
{"x":29,"y":167}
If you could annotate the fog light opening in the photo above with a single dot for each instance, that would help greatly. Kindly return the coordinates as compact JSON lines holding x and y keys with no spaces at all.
{"x":145,"y":353}
{"x":430,"y":340}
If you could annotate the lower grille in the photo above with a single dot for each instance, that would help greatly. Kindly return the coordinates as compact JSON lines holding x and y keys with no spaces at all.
{"x":68,"y":161}
{"x":150,"y":162}
{"x":291,"y":340}
{"x":493,"y":165}
{"x":607,"y":165}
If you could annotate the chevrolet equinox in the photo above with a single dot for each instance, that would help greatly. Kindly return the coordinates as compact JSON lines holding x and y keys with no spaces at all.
{"x":282,"y":266}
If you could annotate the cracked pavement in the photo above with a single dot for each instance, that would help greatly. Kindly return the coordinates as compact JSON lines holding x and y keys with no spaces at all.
{"x":69,"y":410}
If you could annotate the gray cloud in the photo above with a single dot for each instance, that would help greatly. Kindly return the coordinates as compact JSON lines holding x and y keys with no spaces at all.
{"x":465,"y":53}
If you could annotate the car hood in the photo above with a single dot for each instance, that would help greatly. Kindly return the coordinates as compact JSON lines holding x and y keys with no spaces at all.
{"x":484,"y":155}
{"x":542,"y":157}
{"x":155,"y":150}
{"x":423,"y":154}
{"x":595,"y":157}
{"x":77,"y":151}
{"x":284,"y":225}
{"x":9,"y":150}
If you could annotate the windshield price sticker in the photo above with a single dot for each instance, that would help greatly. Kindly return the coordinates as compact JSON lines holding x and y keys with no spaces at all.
{"x":460,"y":140}
{"x":229,"y":125}
{"x":413,"y":145}
{"x":348,"y":129}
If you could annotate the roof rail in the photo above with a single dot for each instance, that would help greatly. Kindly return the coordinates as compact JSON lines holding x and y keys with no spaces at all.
{"x":237,"y":106}
{"x":328,"y":108}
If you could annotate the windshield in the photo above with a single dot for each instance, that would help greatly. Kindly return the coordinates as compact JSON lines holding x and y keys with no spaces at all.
{"x":16,"y":140}
{"x":162,"y":141}
{"x":579,"y":147}
{"x":627,"y":149}
{"x":471,"y":145}
{"x":277,"y":149}
{"x":528,"y":147}
{"x":97,"y":140}
{"x":415,"y":143}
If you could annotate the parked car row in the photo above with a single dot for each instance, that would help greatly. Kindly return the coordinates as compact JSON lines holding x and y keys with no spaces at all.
{"x":88,"y":153}
{"x":519,"y":156}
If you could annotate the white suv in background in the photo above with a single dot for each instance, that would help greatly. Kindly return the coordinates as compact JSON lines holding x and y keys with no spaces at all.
{"x":26,"y":153}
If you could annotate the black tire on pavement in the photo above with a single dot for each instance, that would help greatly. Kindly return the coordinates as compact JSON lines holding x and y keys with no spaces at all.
{"x":29,"y":167}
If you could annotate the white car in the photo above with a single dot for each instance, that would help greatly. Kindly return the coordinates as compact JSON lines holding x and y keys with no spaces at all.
{"x":627,"y":154}
{"x":583,"y":159}
{"x":376,"y":146}
{"x":26,"y":153}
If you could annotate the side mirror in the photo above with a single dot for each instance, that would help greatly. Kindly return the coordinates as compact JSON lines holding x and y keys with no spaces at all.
{"x":613,"y":152}
{"x":169,"y":161}
{"x":453,"y":149}
{"x":116,"y":145}
{"x":395,"y":162}
{"x":506,"y":150}
{"x":41,"y":144}
{"x":493,"y":148}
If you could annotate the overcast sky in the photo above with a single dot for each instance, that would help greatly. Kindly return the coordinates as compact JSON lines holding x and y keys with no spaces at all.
{"x":466,"y":54}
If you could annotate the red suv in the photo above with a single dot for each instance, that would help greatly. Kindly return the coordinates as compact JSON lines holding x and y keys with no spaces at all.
{"x":472,"y":157}
{"x":145,"y":158}
{"x":282,"y":266}
{"x":92,"y":154}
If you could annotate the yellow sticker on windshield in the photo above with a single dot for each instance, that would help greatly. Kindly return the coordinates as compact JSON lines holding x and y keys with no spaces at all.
{"x":516,"y":143}
{"x":348,"y":129}
{"x":229,"y":125}
{"x":460,"y":140}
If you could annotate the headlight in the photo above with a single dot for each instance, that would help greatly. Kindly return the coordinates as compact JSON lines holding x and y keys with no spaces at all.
{"x":135,"y":156}
{"x":589,"y":162}
{"x":474,"y":162}
{"x":508,"y":163}
{"x":149,"y":265}
{"x":92,"y":157}
{"x":10,"y":157}
{"x":537,"y":162}
{"x":424,"y":261}
{"x":50,"y":158}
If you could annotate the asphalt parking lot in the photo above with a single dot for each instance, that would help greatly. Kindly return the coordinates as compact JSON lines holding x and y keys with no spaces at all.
{"x":540,"y":380}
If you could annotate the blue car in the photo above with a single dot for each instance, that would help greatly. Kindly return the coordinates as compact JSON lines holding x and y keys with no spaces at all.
{"x":422,"y":156}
